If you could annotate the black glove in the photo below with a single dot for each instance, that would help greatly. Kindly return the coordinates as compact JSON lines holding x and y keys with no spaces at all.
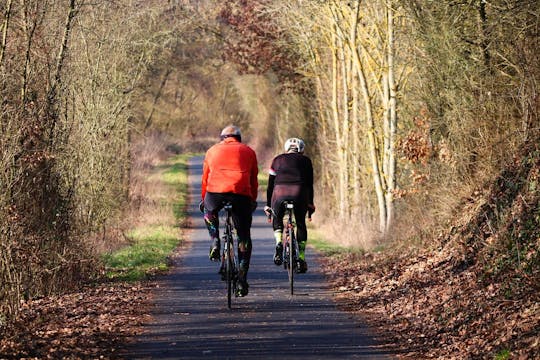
{"x":268,"y":210}
{"x":311,"y":209}
{"x":253,"y":206}
{"x":201,"y":206}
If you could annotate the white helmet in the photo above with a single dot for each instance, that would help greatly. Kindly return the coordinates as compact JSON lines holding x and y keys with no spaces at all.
{"x":294,"y":144}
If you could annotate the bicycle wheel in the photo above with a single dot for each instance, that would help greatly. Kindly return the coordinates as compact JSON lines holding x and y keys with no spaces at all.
{"x":285,"y":253}
{"x":290,"y":270}
{"x":229,"y":269}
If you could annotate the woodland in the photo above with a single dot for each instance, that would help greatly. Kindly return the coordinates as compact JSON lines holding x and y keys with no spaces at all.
{"x":421,"y":117}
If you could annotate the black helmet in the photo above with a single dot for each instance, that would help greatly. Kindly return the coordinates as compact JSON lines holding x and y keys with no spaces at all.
{"x":231,"y":131}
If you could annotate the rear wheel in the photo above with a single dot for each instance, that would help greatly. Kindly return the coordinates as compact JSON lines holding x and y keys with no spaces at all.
{"x":229,"y":270}
{"x":290,"y":270}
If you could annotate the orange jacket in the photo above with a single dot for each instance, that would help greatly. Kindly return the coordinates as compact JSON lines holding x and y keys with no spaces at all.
{"x":230,"y":167}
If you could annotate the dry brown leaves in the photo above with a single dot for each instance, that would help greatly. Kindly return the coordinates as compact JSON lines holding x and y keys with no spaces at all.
{"x":424,"y":306}
{"x":474,"y":296}
{"x":93,"y":323}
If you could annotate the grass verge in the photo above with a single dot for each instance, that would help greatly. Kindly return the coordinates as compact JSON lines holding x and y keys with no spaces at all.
{"x":152,"y":242}
{"x":262,"y":178}
{"x":318,"y":241}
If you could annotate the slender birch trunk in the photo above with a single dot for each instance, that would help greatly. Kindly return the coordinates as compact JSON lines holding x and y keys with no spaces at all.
{"x":336,"y":61}
{"x":355,"y":123}
{"x":356,"y":157}
{"x":343,"y":129}
{"x":29,"y":32}
{"x":5,"y":26}
{"x":392,"y":106}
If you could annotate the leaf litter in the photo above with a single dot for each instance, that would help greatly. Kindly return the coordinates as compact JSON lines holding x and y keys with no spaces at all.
{"x":474,"y":294}
{"x":93,"y":323}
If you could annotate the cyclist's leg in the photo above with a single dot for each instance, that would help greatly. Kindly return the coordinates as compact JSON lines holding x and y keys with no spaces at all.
{"x":242,"y":217}
{"x":277,"y":220}
{"x":280,"y":194}
{"x":300,"y":210}
{"x":277,"y":225}
{"x":213,"y":202}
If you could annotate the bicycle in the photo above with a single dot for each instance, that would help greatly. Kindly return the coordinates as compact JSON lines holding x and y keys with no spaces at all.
{"x":229,"y":261}
{"x":290,"y":244}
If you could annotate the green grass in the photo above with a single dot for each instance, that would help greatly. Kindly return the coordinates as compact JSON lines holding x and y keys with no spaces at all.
{"x":503,"y":355}
{"x":317,"y":240}
{"x":262,"y":178}
{"x":148,"y":253}
{"x":151,"y":245}
{"x":176,"y":176}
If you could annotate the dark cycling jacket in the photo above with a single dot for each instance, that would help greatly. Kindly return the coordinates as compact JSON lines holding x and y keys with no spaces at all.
{"x":291,"y":169}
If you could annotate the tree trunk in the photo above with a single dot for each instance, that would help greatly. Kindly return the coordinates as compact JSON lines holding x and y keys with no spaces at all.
{"x":343,"y":129}
{"x":484,"y":42}
{"x":156,"y":98}
{"x":335,"y":115}
{"x":5,"y":26}
{"x":392,"y":107}
{"x":52,"y":94}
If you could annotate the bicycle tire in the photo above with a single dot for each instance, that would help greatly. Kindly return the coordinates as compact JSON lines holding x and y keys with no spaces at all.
{"x":291,"y":270}
{"x":229,"y":270}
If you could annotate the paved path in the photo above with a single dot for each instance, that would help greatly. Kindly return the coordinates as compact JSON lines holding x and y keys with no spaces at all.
{"x":191,"y":319}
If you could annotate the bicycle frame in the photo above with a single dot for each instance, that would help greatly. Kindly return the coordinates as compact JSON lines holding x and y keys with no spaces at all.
{"x":229,"y":261}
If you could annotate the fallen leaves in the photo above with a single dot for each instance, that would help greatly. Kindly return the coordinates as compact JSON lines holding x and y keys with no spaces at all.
{"x":92,"y":323}
{"x":475,"y":294}
{"x":424,"y":309}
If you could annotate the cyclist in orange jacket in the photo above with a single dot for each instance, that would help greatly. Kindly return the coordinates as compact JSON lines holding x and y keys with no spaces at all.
{"x":291,"y":178}
{"x":230,"y":174}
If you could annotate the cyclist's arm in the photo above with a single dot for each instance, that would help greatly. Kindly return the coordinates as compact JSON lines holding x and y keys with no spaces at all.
{"x":309,"y":181}
{"x":204,"y":181}
{"x":270,"y":189}
{"x":272,"y":173}
{"x":254,"y":182}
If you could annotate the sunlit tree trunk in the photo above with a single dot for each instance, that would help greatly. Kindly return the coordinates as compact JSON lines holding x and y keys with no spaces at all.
{"x":356,"y":157}
{"x":5,"y":26}
{"x":392,"y":121}
{"x":30,"y":26}
{"x":342,"y":130}
{"x":337,"y":78}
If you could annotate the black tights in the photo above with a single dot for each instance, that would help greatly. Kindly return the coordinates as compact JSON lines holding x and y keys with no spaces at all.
{"x":242,"y":218}
{"x":300,"y":210}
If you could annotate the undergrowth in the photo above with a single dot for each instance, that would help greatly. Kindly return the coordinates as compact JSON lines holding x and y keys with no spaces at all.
{"x":152,"y":242}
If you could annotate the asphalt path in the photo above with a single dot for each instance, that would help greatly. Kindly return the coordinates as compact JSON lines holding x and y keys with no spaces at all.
{"x":190,"y":319}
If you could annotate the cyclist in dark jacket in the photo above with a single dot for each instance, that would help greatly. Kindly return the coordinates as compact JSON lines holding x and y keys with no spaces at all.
{"x":291,"y":178}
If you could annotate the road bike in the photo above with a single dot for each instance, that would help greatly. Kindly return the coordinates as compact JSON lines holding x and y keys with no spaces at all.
{"x":290,"y":244}
{"x":229,"y":261}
